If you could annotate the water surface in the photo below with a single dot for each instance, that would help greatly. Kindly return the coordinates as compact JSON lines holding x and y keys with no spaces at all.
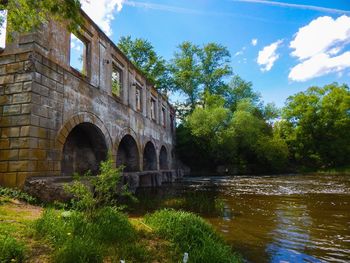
{"x":289,"y":218}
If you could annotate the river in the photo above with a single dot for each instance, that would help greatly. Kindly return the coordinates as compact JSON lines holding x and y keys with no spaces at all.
{"x":286,"y":218}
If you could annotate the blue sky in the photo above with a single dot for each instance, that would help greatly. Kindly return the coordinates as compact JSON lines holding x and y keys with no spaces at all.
{"x":296,"y":44}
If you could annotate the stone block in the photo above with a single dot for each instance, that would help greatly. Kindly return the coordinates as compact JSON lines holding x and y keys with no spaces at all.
{"x":3,"y":167}
{"x":11,"y":110}
{"x":24,"y":77}
{"x":4,"y":144}
{"x":32,"y":154}
{"x":26,"y":108}
{"x":7,"y":59}
{"x":14,"y":88}
{"x":10,"y":132}
{"x":14,"y":67}
{"x":8,"y":79}
{"x":21,"y":98}
{"x":9,"y":155}
{"x":8,"y":179}
{"x":22,"y":166}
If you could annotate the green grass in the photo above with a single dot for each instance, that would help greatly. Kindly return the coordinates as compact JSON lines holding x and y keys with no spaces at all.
{"x":190,"y":233}
{"x":107,"y":234}
{"x":11,"y":250}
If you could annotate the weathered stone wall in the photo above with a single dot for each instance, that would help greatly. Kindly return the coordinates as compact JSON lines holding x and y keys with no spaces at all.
{"x":43,"y":99}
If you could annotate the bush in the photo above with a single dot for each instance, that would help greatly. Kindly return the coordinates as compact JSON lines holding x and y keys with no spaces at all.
{"x":11,"y":250}
{"x":190,"y":233}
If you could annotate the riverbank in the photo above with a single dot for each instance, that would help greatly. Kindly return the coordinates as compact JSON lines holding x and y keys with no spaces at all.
{"x":31,"y":233}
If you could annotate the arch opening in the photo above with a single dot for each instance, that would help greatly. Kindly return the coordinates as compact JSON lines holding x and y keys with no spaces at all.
{"x":128,"y":154}
{"x":85,"y":147}
{"x":149,"y":157}
{"x":163,"y":159}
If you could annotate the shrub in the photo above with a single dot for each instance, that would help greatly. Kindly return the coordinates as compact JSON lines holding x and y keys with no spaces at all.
{"x":79,"y":250}
{"x":190,"y":233}
{"x":11,"y":250}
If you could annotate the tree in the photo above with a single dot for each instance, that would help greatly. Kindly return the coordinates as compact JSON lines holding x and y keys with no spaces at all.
{"x":27,"y":15}
{"x":215,"y":60}
{"x":142,"y":54}
{"x":316,"y":125}
{"x":185,"y":68}
{"x":239,"y":89}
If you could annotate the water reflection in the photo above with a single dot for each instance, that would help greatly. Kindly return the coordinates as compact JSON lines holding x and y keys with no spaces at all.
{"x":271,"y":218}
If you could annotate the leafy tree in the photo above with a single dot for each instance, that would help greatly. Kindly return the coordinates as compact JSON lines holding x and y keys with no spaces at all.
{"x":239,"y":89}
{"x":186,"y":72}
{"x":316,"y":125}
{"x":215,"y":60}
{"x":142,"y":54}
{"x":27,"y":15}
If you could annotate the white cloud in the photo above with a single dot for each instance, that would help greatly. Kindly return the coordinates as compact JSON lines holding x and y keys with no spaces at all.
{"x":268,"y":56}
{"x":254,"y":42}
{"x":318,"y":47}
{"x":319,"y":65}
{"x":102,"y":12}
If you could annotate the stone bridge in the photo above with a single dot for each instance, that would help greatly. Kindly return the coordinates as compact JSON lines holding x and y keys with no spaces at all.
{"x":68,"y":100}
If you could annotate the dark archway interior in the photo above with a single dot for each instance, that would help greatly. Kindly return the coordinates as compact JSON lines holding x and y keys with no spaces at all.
{"x":149,"y":158}
{"x":163,"y":159}
{"x":128,"y":155}
{"x":84,"y":149}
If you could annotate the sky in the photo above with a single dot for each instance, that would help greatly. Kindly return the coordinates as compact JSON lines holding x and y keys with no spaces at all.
{"x":282,"y":47}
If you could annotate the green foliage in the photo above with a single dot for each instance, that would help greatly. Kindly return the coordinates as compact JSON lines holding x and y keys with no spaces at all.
{"x":190,"y":233}
{"x":27,"y":15}
{"x":11,"y":250}
{"x":79,"y":250}
{"x":93,"y":192}
{"x":316,"y":125}
{"x":200,"y":70}
{"x":142,"y":54}
{"x":78,"y":237}
{"x":17,"y":194}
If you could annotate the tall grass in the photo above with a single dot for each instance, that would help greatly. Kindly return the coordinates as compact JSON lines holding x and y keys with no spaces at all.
{"x":11,"y":250}
{"x":190,"y":233}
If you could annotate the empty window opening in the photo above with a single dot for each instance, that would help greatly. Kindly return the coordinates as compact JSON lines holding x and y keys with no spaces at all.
{"x":78,"y":54}
{"x":128,"y":155}
{"x":163,"y":117}
{"x":153,"y":109}
{"x":3,"y":23}
{"x":84,"y":149}
{"x":138,"y":97}
{"x":117,"y":80}
{"x":149,"y":158}
{"x":163,"y":159}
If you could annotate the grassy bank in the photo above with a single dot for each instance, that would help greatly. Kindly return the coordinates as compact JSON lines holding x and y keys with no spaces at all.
{"x":31,"y":233}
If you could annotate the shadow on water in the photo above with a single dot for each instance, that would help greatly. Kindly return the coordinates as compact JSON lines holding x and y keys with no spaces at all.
{"x":270,"y":218}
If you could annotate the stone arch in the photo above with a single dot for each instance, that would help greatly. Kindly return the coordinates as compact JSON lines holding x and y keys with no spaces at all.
{"x":149,"y":157}
{"x":128,"y":154}
{"x":83,"y":117}
{"x":84,"y":148}
{"x":163,"y":159}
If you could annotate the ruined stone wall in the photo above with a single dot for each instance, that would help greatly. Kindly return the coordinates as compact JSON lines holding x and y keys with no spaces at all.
{"x":43,"y":101}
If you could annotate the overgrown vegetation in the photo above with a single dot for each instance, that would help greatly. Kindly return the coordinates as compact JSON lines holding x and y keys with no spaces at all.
{"x":10,"y":193}
{"x":191,"y":234}
{"x":10,"y":249}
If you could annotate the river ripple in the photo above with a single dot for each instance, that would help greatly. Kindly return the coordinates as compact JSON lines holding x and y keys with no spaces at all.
{"x":290,"y":218}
